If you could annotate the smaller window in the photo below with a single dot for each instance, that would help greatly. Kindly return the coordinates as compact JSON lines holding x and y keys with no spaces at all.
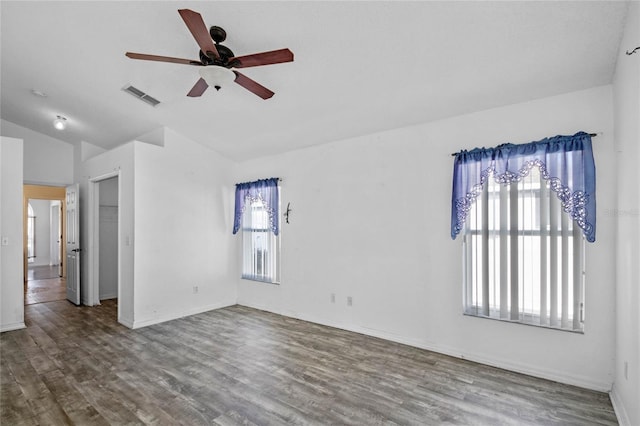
{"x":31,"y":235}
{"x":257,"y":215}
{"x":260,"y":247}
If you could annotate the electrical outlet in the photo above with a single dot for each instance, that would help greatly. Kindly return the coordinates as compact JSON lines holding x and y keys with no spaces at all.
{"x":5,"y":241}
{"x":195,"y":289}
{"x":333,"y":298}
{"x":349,"y":301}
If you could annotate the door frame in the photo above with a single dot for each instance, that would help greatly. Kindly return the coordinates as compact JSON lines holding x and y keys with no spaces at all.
{"x":94,"y":239}
{"x":43,"y":192}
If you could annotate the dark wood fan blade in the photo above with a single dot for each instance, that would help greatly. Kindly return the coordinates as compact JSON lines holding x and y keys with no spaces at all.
{"x":198,"y":89}
{"x":264,"y":58}
{"x":199,"y":30}
{"x":162,"y":59}
{"x":253,"y":86}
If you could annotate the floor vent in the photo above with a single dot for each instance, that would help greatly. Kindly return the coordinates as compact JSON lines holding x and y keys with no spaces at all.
{"x":141,"y":95}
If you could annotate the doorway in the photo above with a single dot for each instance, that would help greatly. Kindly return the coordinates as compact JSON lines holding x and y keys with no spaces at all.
{"x":44,"y":285}
{"x":44,"y":260}
{"x":108,"y":239}
{"x":104,"y":240}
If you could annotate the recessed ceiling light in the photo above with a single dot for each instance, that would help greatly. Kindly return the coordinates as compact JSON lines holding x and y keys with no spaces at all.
{"x":38,"y":93}
{"x":60,"y":123}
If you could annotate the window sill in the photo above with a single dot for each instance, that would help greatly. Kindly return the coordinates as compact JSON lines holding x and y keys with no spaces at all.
{"x":260,"y":279}
{"x":570,"y":330}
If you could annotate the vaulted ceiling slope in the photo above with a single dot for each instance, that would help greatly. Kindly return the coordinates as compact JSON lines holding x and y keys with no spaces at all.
{"x":360,"y":67}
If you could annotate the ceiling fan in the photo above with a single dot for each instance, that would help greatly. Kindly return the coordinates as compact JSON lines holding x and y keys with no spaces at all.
{"x":217,"y":60}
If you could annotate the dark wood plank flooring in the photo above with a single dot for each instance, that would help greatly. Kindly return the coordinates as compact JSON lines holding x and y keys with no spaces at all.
{"x":77,"y":365}
{"x":44,"y":285}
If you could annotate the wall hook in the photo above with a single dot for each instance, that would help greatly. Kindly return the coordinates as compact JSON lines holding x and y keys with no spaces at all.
{"x":633,"y":51}
{"x":286,"y":213}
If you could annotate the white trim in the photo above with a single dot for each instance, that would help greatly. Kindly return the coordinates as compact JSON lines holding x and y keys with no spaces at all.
{"x":505,"y":364}
{"x":108,"y":296}
{"x":12,"y":326}
{"x":105,"y":176}
{"x":93,"y":247}
{"x":179,"y":314}
{"x":618,"y":407}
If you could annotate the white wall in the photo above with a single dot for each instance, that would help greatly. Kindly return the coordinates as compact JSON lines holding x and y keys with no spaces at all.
{"x":11,"y":280}
{"x":626,"y":215}
{"x":183,"y":222}
{"x":42,"y":212}
{"x":175,"y":221}
{"x":371,"y":219}
{"x":47,"y":161}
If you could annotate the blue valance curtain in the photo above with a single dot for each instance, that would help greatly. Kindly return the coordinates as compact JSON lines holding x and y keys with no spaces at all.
{"x":566,"y":162}
{"x":265,"y":190}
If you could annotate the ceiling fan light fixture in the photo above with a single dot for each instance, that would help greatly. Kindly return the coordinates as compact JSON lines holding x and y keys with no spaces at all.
{"x":217,"y":76}
{"x":60,"y":123}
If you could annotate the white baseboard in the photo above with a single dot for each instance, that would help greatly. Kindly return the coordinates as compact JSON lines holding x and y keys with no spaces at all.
{"x":175,"y":315}
{"x":266,"y":309}
{"x":109,"y":296}
{"x":127,"y":322}
{"x":530,"y":370}
{"x":505,"y":364}
{"x":12,"y":326}
{"x":618,"y":408}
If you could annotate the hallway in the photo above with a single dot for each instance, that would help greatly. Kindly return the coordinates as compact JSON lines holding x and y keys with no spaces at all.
{"x":44,"y":285}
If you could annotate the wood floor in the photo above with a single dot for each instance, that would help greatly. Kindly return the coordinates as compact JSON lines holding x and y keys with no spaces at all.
{"x":44,"y":285}
{"x":76,"y":365}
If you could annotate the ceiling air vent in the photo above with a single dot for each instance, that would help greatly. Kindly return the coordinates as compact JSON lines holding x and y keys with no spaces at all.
{"x":141,"y":95}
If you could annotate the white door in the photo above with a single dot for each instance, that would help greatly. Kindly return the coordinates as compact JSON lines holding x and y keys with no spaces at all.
{"x":73,"y":244}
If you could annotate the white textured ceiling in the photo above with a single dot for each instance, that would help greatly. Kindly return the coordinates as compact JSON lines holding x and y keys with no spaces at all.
{"x":360,"y":67}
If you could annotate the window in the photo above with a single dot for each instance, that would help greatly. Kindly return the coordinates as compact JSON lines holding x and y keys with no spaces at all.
{"x":257,"y":215}
{"x":523,"y":256}
{"x":524,"y":212}
{"x":31,"y":235}
{"x":260,"y":247}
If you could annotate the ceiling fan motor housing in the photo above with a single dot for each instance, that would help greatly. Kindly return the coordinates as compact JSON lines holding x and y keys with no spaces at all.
{"x":225,"y":54}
